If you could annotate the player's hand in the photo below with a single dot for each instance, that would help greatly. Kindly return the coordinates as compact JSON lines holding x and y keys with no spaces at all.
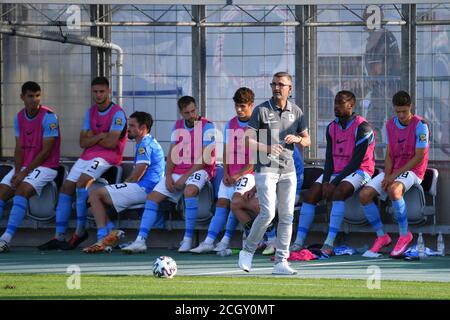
{"x":179,"y":185}
{"x":102,"y":135}
{"x":170,"y":184}
{"x":227,"y":181}
{"x":327,"y":190}
{"x":388,"y":180}
{"x":290,"y":138}
{"x":249,"y":194}
{"x":18,"y":178}
{"x":275,"y":149}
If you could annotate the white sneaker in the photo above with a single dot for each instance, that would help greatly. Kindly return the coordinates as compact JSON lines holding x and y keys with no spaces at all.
{"x":245,"y":260}
{"x":203,"y":247}
{"x":4,"y":246}
{"x":135,"y":247}
{"x":185,"y":245}
{"x":221,"y":246}
{"x":283,"y":268}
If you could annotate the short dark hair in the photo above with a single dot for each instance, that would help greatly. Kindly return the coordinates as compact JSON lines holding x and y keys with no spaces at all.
{"x":100,"y":81}
{"x":244,"y":95}
{"x":282,"y":74}
{"x":184,"y":101}
{"x":30,"y":86}
{"x":347,"y":94}
{"x":143,"y":118}
{"x":401,"y":98}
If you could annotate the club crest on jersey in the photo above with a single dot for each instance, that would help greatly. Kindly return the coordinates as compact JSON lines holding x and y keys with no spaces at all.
{"x":52,"y":126}
{"x":291,"y":117}
{"x":422,"y":137}
{"x":119,"y":121}
{"x":141,"y":150}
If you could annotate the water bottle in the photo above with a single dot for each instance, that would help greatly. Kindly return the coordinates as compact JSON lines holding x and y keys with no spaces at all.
{"x":440,"y":244}
{"x":421,"y":246}
{"x":225,"y":253}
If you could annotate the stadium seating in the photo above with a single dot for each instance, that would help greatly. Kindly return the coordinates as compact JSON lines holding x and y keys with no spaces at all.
{"x":42,"y":208}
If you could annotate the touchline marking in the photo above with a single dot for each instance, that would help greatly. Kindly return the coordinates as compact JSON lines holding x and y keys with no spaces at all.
{"x":301,"y":265}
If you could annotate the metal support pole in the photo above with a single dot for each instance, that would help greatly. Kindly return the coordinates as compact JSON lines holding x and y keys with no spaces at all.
{"x":409,"y":50}
{"x":199,"y":59}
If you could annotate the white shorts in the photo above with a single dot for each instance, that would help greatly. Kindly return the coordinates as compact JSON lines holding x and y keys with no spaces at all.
{"x":408,"y":179}
{"x":125,"y":195}
{"x":357,"y":180}
{"x":244,"y":184}
{"x":93,"y":168}
{"x":198,"y":179}
{"x":38,"y":178}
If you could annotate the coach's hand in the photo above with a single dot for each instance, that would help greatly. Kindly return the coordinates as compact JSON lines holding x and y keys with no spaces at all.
{"x":290,"y":138}
{"x":275,"y":149}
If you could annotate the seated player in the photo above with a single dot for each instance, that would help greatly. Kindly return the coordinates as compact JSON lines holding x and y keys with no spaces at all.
{"x":349,"y":165}
{"x":404,"y":166}
{"x":191,"y":163}
{"x":103,"y":138}
{"x":238,"y":171}
{"x":147,"y":172}
{"x":36,"y":158}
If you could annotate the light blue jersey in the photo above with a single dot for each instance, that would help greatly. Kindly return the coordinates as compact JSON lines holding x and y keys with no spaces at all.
{"x":150,"y":152}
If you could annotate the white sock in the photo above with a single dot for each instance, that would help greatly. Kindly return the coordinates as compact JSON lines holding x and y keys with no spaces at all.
{"x":187,"y":239}
{"x":225,"y":240}
{"x":6,"y":237}
{"x":140,"y":239}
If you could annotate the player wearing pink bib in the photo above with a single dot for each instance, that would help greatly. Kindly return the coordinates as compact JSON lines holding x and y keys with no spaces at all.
{"x":238,"y":170}
{"x":349,"y":164}
{"x":191,"y":162}
{"x":404,"y":166}
{"x":103,"y":138}
{"x":36,"y":158}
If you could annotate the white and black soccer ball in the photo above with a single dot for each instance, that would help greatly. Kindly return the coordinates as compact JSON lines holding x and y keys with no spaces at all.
{"x":164,"y":267}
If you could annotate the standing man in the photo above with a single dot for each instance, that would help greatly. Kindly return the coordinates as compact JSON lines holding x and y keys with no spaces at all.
{"x":148,"y":170}
{"x":238,"y":175}
{"x":103,"y":139}
{"x":276,"y":124}
{"x":405,"y":165}
{"x":349,"y":165}
{"x":36,"y":158}
{"x":191,"y":162}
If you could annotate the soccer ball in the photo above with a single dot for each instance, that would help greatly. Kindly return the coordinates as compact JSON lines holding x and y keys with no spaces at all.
{"x":164,"y":267}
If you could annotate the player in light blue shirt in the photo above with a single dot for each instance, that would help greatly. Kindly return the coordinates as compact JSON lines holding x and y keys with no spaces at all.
{"x":149,"y":166}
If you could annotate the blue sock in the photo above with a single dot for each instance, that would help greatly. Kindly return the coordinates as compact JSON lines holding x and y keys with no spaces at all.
{"x":232,"y":224}
{"x":307,"y":213}
{"x":2,"y":207}
{"x":401,"y":215}
{"x":82,"y":195}
{"x":191,"y":208}
{"x":63,"y":211}
{"x":19,"y":208}
{"x":337,"y":215}
{"x":110,"y":226}
{"x":373,"y":215}
{"x":217,"y":222}
{"x":148,"y":218}
{"x":272,"y":234}
{"x":101,"y":233}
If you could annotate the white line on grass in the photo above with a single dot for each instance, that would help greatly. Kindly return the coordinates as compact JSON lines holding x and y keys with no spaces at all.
{"x":301,"y":265}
